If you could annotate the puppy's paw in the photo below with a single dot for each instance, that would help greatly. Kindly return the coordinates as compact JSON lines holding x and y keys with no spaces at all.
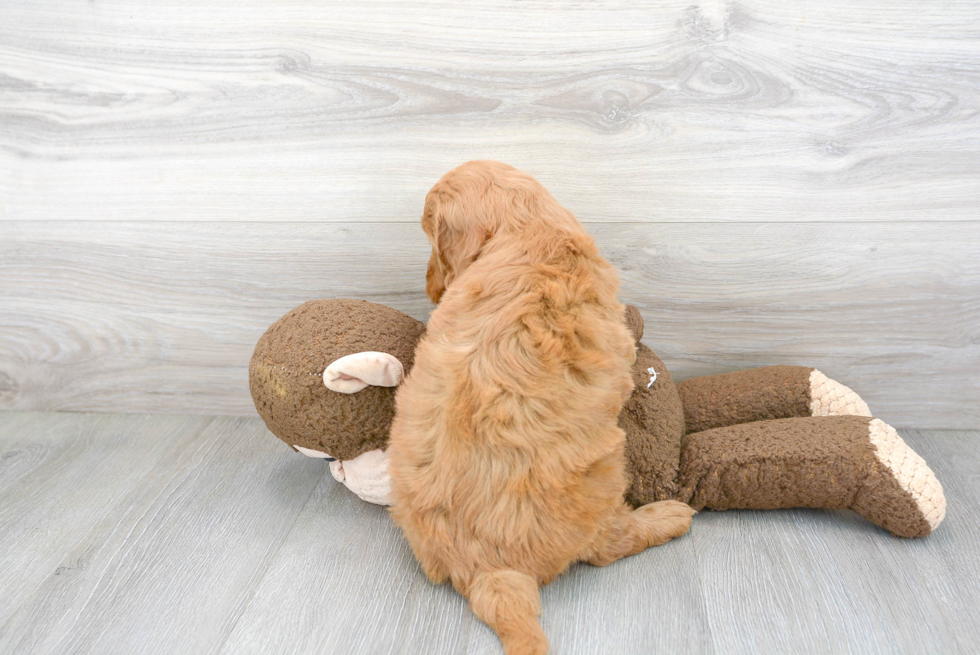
{"x":664,"y":520}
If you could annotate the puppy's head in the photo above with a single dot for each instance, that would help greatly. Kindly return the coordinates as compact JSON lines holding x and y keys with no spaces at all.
{"x":474,"y":204}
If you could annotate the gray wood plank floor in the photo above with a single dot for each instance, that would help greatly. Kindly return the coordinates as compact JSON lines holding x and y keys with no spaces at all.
{"x":162,"y":534}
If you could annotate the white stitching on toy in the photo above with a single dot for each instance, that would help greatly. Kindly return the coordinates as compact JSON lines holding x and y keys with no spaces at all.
{"x":289,"y":370}
{"x":653,"y":379}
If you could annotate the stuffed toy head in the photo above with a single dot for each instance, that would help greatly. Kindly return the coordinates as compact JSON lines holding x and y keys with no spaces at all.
{"x":323,"y":379}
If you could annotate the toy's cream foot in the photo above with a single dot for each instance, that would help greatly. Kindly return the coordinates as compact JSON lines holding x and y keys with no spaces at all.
{"x":366,"y":475}
{"x":902,"y":493}
{"x":831,"y":398}
{"x":834,"y":462}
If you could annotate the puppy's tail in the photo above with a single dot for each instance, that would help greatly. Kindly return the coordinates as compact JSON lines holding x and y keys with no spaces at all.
{"x":508,"y":602}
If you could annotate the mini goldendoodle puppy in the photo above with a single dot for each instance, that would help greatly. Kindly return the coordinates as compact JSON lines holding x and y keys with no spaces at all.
{"x":506,"y":460}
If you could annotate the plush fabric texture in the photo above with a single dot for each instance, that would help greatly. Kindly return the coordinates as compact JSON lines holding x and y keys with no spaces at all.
{"x":820,"y":462}
{"x":289,"y":360}
{"x":759,"y":394}
{"x":653,"y":420}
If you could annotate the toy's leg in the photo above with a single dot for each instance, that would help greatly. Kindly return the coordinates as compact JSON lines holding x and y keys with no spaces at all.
{"x":760,"y":394}
{"x":508,"y":602}
{"x":629,"y":531}
{"x":834,"y":462}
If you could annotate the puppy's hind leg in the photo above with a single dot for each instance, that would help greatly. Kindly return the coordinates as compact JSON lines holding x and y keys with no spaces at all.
{"x":508,"y":602}
{"x":628,"y":531}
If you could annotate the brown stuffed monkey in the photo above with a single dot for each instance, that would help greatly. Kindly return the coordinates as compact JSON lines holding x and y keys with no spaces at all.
{"x":323,"y":378}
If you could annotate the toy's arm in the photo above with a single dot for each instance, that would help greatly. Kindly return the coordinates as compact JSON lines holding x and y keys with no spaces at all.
{"x":765,"y":393}
{"x":835,"y":462}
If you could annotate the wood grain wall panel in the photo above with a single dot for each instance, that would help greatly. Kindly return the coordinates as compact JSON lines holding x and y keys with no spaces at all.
{"x":162,"y":317}
{"x":348,"y":112}
{"x":778,"y":182}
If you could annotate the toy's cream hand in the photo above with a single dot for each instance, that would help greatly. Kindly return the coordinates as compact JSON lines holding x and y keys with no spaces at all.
{"x":366,"y":475}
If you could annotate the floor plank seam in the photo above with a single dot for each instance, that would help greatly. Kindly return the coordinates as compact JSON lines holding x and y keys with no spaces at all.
{"x":769,"y":581}
{"x":127,"y":543}
{"x":704,"y":597}
{"x":273,"y":553}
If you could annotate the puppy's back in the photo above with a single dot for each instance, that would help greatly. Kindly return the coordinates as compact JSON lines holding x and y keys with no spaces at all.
{"x":505,"y":451}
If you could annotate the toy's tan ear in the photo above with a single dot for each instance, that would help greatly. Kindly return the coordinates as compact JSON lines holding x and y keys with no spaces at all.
{"x":354,"y":372}
{"x":634,"y":321}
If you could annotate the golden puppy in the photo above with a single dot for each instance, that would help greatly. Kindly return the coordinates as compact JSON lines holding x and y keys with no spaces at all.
{"x":505,"y":457}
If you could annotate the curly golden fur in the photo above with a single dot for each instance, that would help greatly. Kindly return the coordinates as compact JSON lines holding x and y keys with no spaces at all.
{"x":506,"y":459}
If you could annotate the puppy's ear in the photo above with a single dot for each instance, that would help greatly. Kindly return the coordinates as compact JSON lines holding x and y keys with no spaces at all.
{"x":435,"y":280}
{"x":433,"y":225}
{"x":460,"y":248}
{"x":430,"y":215}
{"x":457,"y":233}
